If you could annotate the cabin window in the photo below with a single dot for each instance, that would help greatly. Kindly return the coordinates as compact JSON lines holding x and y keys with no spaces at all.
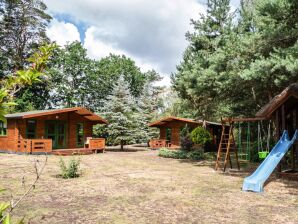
{"x":3,"y":127}
{"x":169,"y":134}
{"x":80,"y":135}
{"x":31,"y":129}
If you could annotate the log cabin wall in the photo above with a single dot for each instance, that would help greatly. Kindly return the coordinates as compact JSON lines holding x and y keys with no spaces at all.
{"x":16,"y":129}
{"x":9,"y":141}
{"x":175,"y":127}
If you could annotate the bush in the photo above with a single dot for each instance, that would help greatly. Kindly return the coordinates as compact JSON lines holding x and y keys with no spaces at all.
{"x":196,"y":155}
{"x":200,"y":136}
{"x":185,"y":141}
{"x":71,"y":170}
{"x":180,"y":154}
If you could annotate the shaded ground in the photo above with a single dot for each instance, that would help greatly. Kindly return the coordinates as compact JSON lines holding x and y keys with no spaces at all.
{"x":139,"y":187}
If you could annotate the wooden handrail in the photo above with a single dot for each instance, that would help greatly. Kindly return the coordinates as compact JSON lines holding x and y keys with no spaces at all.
{"x":34,"y":145}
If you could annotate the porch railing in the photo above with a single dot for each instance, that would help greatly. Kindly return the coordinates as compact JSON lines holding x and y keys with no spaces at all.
{"x":34,"y":145}
{"x":158,"y":143}
{"x":97,"y":143}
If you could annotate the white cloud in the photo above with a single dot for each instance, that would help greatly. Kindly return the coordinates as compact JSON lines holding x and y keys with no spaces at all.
{"x":62,"y":32}
{"x":97,"y":48}
{"x":150,"y":32}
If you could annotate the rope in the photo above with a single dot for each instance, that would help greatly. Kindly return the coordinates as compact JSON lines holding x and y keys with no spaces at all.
{"x":248,"y":142}
{"x":268,"y":137}
{"x":239,"y":138}
{"x":260,"y":145}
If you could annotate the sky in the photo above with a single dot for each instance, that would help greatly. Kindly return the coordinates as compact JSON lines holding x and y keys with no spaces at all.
{"x":152,"y":33}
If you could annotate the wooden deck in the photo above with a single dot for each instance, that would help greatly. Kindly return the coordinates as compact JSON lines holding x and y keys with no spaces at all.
{"x":76,"y":151}
{"x":162,"y":143}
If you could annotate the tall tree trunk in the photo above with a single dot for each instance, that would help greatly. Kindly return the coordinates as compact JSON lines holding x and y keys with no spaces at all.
{"x":122,"y":145}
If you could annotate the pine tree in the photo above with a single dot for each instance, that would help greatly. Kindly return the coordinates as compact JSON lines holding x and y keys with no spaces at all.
{"x":197,"y":76}
{"x":22,"y":29}
{"x":148,"y":111}
{"x":118,"y":111}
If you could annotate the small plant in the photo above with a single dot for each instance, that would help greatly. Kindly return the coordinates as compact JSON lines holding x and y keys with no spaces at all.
{"x":200,"y":136}
{"x":71,"y":170}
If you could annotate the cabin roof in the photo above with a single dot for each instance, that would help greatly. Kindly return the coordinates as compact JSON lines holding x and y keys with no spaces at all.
{"x":278,"y":100}
{"x":165,"y":120}
{"x":79,"y":110}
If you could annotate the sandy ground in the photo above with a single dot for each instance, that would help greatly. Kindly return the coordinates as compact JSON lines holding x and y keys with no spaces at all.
{"x":140,"y":187}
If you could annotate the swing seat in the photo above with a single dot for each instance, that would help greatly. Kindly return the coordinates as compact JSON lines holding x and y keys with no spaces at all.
{"x":263,"y":154}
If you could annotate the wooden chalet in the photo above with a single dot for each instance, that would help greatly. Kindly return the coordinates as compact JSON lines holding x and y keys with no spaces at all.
{"x":57,"y":131}
{"x":283,"y":111}
{"x":170,"y":128}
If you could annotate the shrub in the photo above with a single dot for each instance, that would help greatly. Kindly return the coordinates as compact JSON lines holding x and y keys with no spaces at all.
{"x":180,"y":154}
{"x":71,"y":170}
{"x":185,"y":141}
{"x":196,"y":155}
{"x":164,"y":152}
{"x":200,"y":136}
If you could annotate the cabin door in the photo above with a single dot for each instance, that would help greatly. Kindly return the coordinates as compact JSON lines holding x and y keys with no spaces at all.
{"x":56,"y":130}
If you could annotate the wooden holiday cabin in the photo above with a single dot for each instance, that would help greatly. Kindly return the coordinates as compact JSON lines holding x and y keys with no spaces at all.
{"x":56,"y":131}
{"x":283,"y":111}
{"x":170,"y":128}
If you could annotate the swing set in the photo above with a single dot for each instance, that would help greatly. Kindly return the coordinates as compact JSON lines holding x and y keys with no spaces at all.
{"x":244,"y":152}
{"x":241,"y":149}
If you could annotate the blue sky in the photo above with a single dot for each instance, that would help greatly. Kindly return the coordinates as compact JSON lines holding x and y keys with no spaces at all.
{"x":150,"y":32}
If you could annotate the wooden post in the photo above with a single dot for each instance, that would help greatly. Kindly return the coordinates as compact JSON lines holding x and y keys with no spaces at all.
{"x":293,"y":156}
{"x":277,"y":135}
{"x":220,"y":145}
{"x":283,"y":127}
{"x":283,"y":118}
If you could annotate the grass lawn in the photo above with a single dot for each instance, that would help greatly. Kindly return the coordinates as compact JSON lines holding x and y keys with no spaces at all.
{"x":140,"y":187}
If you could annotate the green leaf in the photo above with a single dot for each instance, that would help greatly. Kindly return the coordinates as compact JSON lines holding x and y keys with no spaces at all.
{"x":21,"y":221}
{"x":4,"y":206}
{"x":7,"y":219}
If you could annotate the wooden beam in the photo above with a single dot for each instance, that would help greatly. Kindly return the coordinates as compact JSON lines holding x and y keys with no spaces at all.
{"x":243,"y":119}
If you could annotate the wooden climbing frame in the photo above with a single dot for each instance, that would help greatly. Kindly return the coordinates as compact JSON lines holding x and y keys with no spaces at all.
{"x":227,"y":146}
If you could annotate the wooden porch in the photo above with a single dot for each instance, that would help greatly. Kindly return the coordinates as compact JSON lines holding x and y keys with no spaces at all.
{"x":38,"y":146}
{"x":162,"y":143}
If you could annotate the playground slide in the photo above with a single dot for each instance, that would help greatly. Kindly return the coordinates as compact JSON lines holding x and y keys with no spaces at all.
{"x":256,"y":181}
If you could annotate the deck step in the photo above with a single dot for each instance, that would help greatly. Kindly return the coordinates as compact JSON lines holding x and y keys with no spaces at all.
{"x":70,"y":152}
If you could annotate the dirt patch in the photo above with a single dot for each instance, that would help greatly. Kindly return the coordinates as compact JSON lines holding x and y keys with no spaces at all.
{"x":140,"y":187}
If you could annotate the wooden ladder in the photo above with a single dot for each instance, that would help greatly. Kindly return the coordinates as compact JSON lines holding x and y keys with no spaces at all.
{"x":226,"y":146}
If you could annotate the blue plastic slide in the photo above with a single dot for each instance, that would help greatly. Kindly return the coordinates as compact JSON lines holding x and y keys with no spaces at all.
{"x":255,"y":182}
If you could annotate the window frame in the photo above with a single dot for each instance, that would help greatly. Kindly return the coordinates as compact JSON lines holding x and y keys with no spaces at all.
{"x":3,"y":129}
{"x":77,"y":134}
{"x":35,"y":127}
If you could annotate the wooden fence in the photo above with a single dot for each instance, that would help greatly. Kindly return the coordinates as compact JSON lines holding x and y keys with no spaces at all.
{"x":97,"y":143}
{"x":34,"y":145}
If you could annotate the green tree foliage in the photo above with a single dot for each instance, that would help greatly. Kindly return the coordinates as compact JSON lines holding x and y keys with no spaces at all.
{"x":76,"y":80}
{"x":13,"y":83}
{"x":22,"y":30}
{"x":111,"y":67}
{"x":196,"y":77}
{"x":232,"y":69}
{"x":148,"y":111}
{"x":200,"y":136}
{"x":69,"y":76}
